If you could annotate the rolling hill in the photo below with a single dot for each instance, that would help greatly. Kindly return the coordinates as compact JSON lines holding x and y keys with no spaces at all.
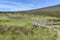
{"x":48,"y":11}
{"x":53,"y":11}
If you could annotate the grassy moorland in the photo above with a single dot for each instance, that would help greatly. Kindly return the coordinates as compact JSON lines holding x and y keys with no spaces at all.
{"x":16,"y":25}
{"x":38,"y":33}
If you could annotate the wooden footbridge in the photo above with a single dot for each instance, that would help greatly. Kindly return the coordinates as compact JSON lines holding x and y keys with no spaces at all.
{"x":45,"y":22}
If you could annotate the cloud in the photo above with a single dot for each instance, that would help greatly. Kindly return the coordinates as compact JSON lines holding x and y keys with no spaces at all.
{"x":14,"y":6}
{"x":11,"y":5}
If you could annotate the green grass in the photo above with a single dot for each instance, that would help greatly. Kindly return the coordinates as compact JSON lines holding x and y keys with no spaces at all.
{"x":39,"y":33}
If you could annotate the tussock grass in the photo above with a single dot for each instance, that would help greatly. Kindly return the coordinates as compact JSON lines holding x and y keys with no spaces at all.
{"x":18,"y":33}
{"x":10,"y":29}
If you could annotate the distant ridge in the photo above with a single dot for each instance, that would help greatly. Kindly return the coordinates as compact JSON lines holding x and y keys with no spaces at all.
{"x":51,"y":8}
{"x":47,"y":11}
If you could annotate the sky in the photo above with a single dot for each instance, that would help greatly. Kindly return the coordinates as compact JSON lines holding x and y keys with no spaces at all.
{"x":21,"y":5}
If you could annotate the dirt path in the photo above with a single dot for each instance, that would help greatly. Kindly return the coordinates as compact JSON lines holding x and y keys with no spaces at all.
{"x":58,"y":34}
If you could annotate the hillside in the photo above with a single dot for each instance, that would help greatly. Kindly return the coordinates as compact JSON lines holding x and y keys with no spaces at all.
{"x":47,"y":11}
{"x":51,"y":8}
{"x":53,"y":11}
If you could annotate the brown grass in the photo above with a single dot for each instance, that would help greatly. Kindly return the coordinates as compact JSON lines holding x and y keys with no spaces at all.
{"x":15,"y":28}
